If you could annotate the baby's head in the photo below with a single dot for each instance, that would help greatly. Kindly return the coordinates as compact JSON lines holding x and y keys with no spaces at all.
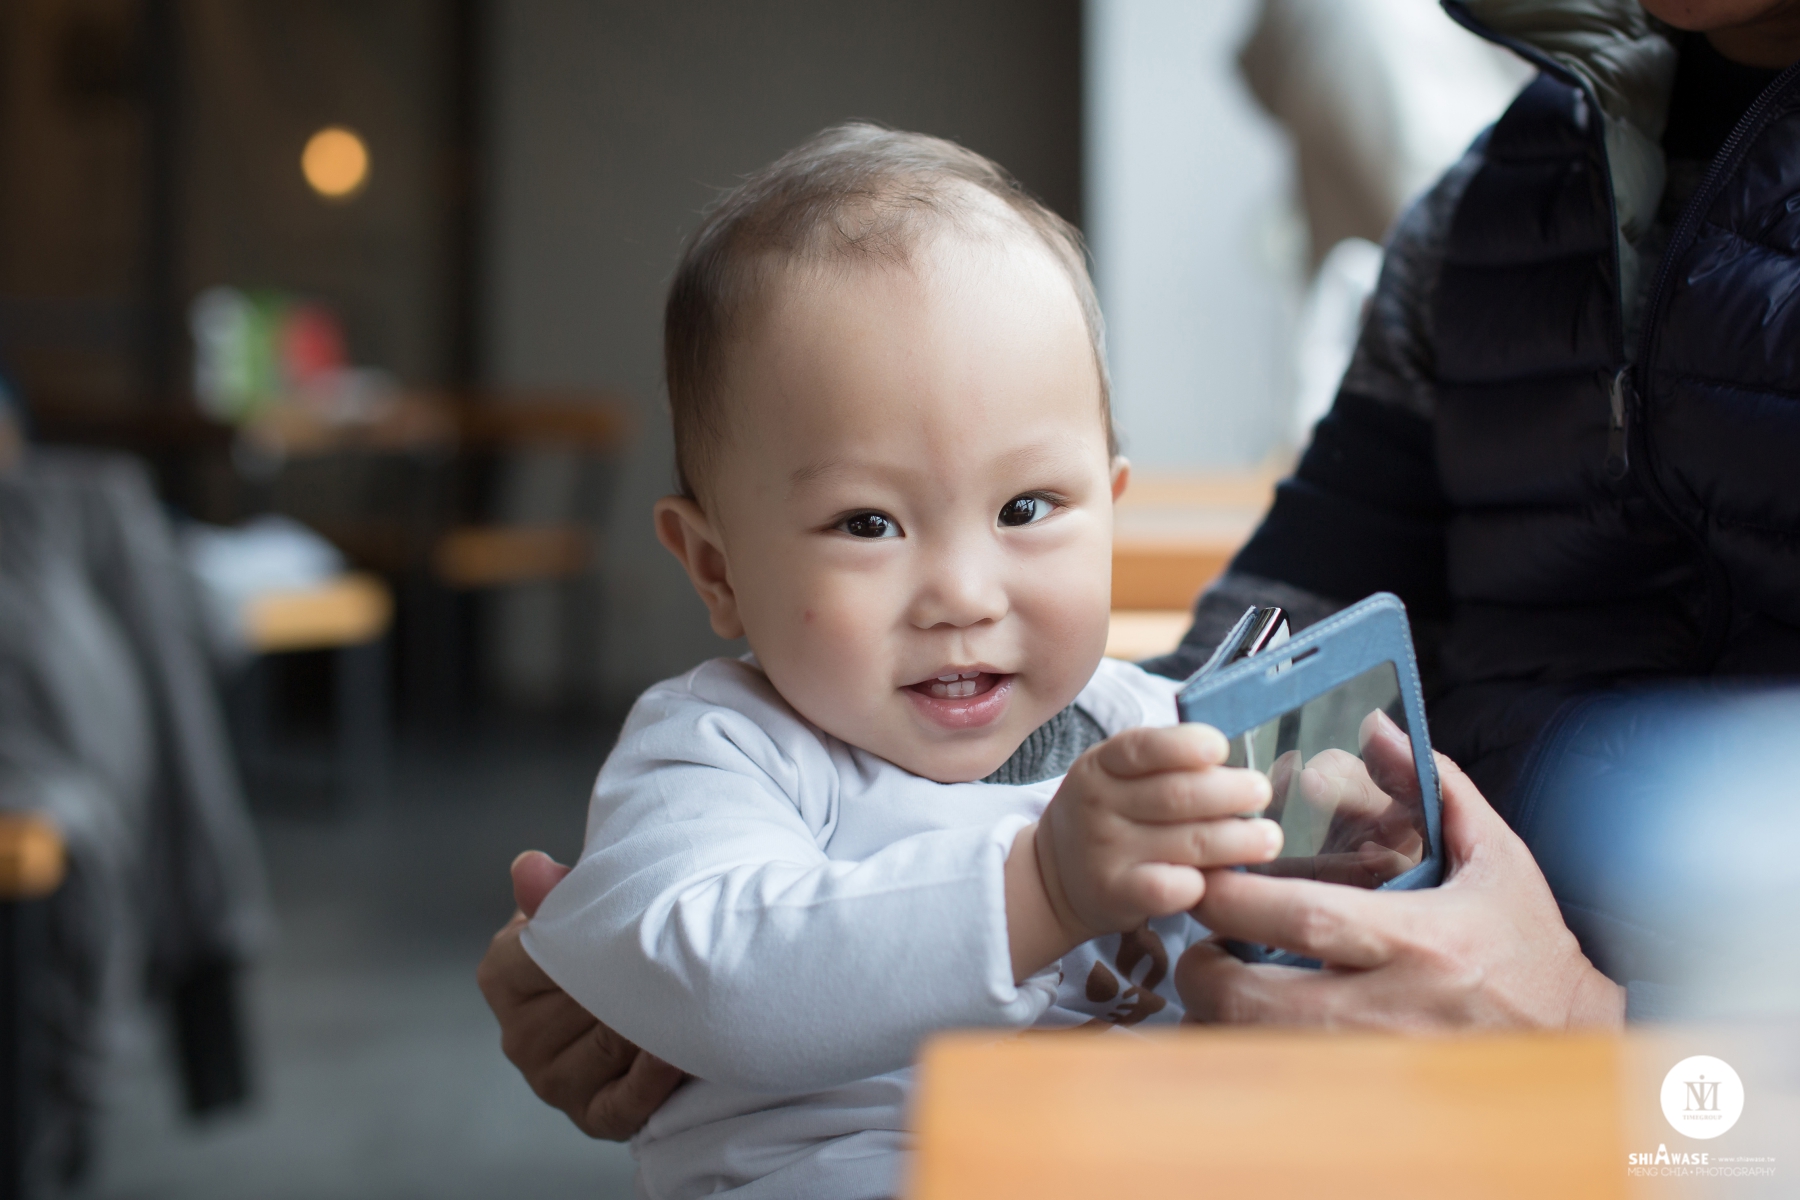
{"x":895,"y":448}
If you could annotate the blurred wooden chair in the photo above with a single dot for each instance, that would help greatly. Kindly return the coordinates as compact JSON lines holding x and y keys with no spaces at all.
{"x":417,"y":493}
{"x":481,"y":549}
{"x":32,"y":866}
{"x":472,"y":557}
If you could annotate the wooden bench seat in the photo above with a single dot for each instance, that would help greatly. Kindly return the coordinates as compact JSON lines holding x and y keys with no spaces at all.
{"x":350,"y":610}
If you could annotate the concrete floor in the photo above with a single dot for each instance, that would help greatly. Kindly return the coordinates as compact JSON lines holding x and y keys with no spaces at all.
{"x":379,"y":1074}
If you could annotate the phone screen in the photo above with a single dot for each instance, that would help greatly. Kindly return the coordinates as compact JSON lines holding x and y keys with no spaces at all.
{"x":1347,"y":792}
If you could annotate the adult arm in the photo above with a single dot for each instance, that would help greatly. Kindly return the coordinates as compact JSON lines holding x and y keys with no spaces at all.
{"x":606,"y":1085}
{"x":1487,"y":949}
{"x":1365,"y":511}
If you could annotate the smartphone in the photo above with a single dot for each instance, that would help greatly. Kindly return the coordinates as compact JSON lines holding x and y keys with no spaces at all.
{"x":1335,"y":719}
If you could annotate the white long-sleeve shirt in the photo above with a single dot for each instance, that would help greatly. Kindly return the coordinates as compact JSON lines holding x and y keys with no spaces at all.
{"x":786,"y":917}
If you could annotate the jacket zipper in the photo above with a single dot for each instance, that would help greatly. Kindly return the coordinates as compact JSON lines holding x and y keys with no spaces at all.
{"x":1618,"y":436}
{"x":1622,"y":395}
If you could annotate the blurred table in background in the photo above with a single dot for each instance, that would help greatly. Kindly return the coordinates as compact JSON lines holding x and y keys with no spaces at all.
{"x":351,"y":610}
{"x":225,"y":472}
{"x":349,"y":616}
{"x":421,"y":487}
{"x":1173,"y":535}
{"x":450,"y":536}
{"x":465,"y":546}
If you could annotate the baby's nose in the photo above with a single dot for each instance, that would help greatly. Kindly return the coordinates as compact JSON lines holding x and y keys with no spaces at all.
{"x":960,"y":590}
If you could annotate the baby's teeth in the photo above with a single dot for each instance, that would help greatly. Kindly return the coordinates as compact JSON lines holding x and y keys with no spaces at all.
{"x":948,"y":678}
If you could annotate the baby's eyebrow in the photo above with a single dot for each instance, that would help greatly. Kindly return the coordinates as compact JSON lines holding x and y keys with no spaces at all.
{"x":1029,"y":456}
{"x":813,"y":472}
{"x":1039,"y":454}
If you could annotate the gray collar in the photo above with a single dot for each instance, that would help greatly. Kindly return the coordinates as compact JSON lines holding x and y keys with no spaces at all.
{"x":1050,"y":749}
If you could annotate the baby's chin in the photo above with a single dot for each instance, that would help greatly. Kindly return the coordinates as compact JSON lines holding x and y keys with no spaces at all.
{"x":960,"y":757}
{"x":940,"y":756}
{"x":944,"y":765}
{"x":949,"y":738}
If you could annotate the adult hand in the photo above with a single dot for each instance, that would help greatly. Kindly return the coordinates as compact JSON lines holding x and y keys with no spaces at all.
{"x":606,"y":1085}
{"x":1488,"y":948}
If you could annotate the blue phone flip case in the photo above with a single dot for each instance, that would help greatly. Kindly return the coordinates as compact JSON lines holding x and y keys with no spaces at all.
{"x":1249,"y":693}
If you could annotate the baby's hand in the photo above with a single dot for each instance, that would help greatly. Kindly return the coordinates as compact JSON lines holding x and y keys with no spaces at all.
{"x":1138,"y":817}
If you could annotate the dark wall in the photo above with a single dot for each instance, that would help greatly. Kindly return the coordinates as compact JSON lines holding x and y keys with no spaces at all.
{"x":262,"y":78}
{"x":72,"y":159}
{"x":615,"y":123}
{"x":151,"y":148}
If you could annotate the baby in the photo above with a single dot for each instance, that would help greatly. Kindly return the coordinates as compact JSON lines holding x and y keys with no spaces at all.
{"x":924,"y":800}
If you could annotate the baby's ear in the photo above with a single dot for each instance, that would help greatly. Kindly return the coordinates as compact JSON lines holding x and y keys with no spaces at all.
{"x":1121,"y":475}
{"x":684,"y":529}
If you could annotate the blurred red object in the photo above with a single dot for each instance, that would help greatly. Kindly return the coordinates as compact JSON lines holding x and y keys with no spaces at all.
{"x":312,"y":344}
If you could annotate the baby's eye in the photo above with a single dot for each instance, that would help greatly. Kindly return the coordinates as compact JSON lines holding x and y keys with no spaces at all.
{"x":870,"y":525}
{"x":1023,"y":510}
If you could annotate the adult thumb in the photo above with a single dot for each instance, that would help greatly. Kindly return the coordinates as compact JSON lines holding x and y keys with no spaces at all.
{"x":534,"y":873}
{"x":1470,"y":822}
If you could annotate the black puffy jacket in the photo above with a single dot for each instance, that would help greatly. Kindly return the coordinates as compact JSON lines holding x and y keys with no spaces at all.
{"x":1579,"y":515}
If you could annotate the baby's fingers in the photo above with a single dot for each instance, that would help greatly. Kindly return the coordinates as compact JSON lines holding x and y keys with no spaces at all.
{"x":1176,"y":796}
{"x":1160,"y":890}
{"x":1147,"y":751}
{"x":1227,"y":842}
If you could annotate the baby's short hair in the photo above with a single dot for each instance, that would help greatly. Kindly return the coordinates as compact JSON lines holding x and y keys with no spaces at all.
{"x":853,"y":191}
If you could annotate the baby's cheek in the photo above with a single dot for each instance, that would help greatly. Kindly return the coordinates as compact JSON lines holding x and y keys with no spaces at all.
{"x":1059,"y":659}
{"x":1075,"y":606}
{"x":828,"y":657}
{"x":845,"y":614}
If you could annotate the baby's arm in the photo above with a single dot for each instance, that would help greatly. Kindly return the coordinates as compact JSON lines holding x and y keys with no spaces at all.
{"x":1125,"y":838}
{"x":705,"y":924}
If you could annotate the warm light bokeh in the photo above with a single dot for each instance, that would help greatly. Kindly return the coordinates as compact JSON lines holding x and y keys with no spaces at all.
{"x":335,"y":162}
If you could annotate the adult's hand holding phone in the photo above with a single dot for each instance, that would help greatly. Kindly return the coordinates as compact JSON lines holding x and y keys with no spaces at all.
{"x":1487,"y":948}
{"x":605,"y":1084}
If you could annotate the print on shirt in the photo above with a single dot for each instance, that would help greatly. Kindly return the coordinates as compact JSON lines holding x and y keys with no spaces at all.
{"x":1137,"y":947}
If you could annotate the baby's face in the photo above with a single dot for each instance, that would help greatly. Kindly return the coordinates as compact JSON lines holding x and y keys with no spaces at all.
{"x":911,"y":516}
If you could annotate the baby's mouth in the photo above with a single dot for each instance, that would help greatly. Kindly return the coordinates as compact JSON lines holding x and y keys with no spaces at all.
{"x":958,"y":685}
{"x":964,"y":700}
